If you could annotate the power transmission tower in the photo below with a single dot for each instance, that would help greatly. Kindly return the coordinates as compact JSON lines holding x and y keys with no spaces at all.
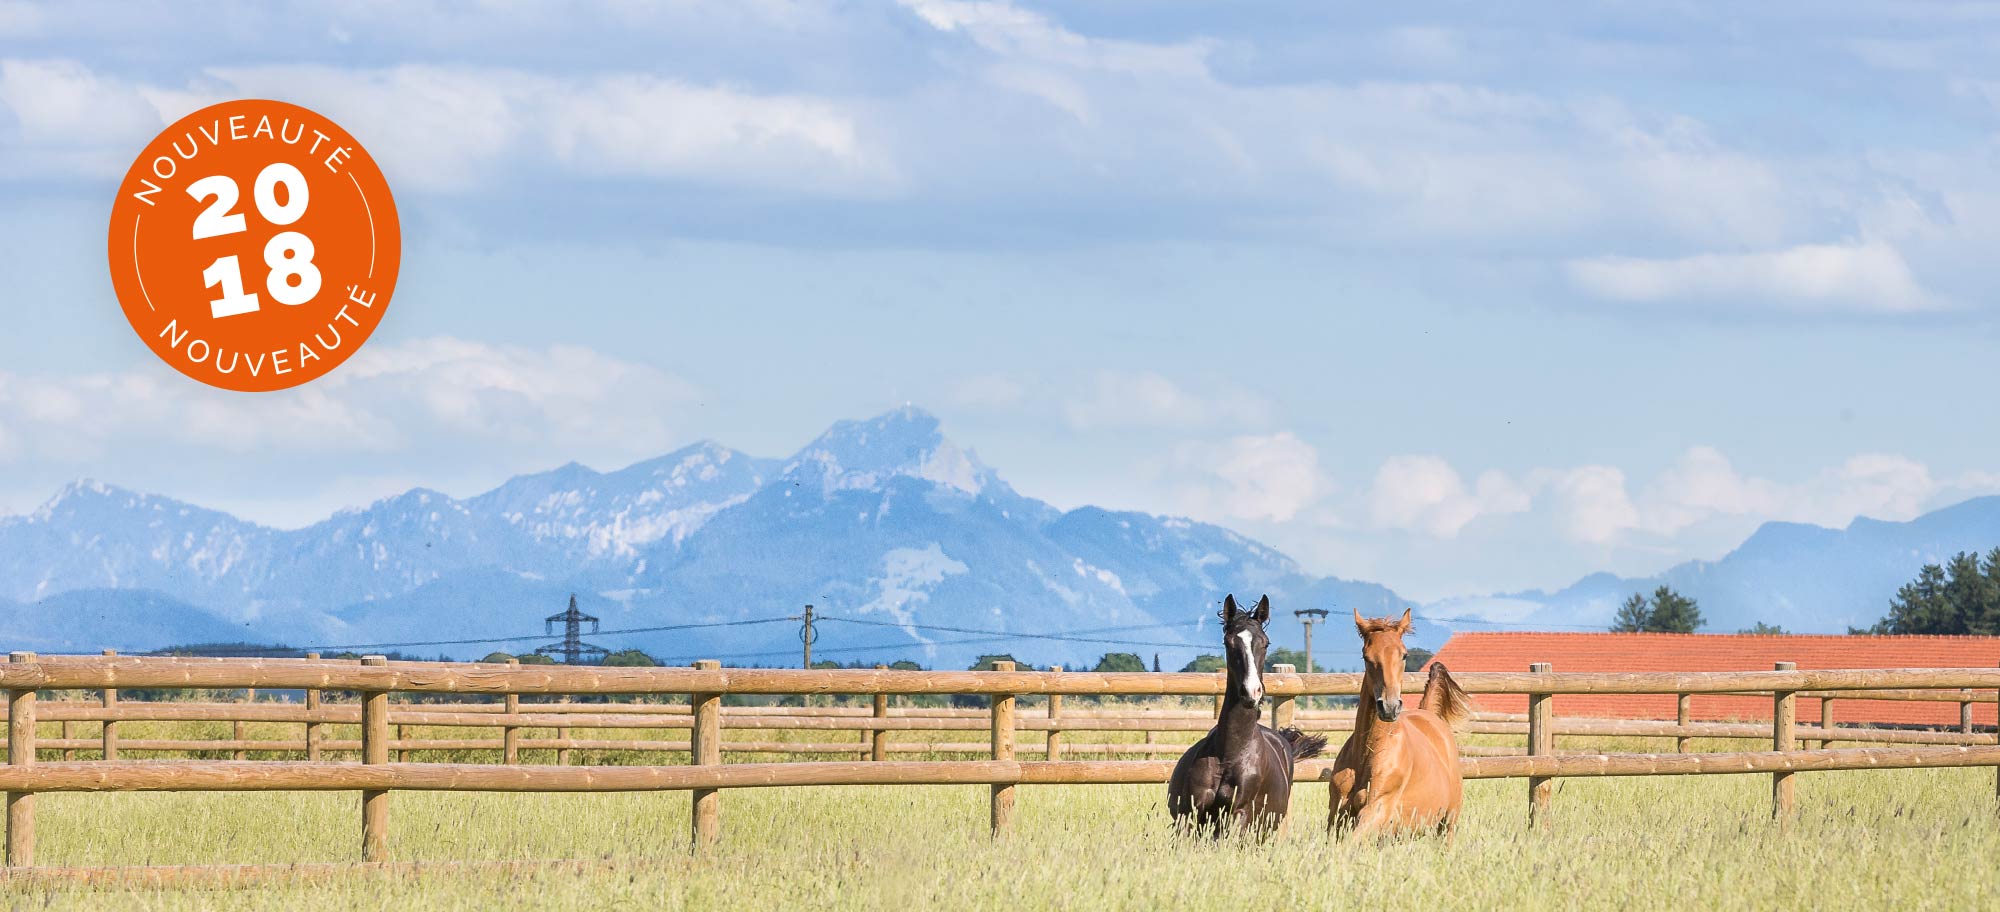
{"x":572,"y":648}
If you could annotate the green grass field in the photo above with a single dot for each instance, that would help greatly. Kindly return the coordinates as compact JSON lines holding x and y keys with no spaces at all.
{"x":1914,"y":839}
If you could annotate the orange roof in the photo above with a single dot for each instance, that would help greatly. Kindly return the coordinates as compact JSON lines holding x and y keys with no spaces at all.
{"x":1626,"y":652}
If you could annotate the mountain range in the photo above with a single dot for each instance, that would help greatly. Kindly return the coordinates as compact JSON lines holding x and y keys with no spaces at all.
{"x":906,"y":544}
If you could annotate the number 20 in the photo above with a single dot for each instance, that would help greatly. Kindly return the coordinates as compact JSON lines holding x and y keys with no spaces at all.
{"x":288,"y":253}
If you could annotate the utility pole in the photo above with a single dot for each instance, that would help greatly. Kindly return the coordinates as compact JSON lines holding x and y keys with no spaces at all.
{"x":1309,"y":617}
{"x":807,"y":634}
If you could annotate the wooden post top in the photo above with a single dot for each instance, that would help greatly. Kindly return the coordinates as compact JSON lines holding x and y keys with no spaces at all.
{"x":1284,"y":668}
{"x":712,"y":664}
{"x":1003,"y":666}
{"x":374,"y":660}
{"x":1540,"y":667}
{"x":20,"y":657}
{"x":1784,"y":666}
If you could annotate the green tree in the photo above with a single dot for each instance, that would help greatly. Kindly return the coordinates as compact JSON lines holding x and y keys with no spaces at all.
{"x":1632,"y":616}
{"x":630,"y":658}
{"x":498,"y":658}
{"x":1666,"y":612}
{"x":985,"y":662}
{"x":1120,"y":661}
{"x":1415,"y":658}
{"x":1206,"y":664}
{"x":535,"y":658}
{"x":1763,"y":629}
{"x":1293,"y":657}
{"x":1961,"y":596}
{"x":1674,"y":612}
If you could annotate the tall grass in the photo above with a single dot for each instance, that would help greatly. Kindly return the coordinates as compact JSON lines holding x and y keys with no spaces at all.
{"x":1917,"y":839}
{"x":1906,"y":839}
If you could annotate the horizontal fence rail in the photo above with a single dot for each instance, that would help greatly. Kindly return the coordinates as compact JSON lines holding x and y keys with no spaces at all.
{"x":289,"y":776}
{"x":430,"y":677}
{"x":357,"y":695}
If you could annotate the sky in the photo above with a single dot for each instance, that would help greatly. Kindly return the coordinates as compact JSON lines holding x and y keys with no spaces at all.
{"x":1456,"y":298}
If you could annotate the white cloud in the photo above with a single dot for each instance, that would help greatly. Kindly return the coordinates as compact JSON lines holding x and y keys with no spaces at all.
{"x":437,"y":407}
{"x":1595,"y":504}
{"x":447,"y":127}
{"x":1268,"y":477}
{"x":1591,"y":503}
{"x":1144,"y":399}
{"x":1424,"y":493}
{"x":1864,"y":277}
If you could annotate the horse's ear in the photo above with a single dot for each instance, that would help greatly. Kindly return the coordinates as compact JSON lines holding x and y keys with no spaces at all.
{"x":1360,"y":623}
{"x":1228,"y":605}
{"x":1263,"y":609}
{"x":1403,"y":626}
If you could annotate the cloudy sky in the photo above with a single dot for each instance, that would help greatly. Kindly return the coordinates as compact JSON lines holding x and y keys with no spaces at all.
{"x":1467,"y":301}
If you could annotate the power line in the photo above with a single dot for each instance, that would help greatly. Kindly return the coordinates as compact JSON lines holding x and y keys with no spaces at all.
{"x":511,"y":639}
{"x":1014,"y":634}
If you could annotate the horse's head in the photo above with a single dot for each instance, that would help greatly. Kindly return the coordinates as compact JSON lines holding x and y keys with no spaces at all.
{"x":1243,"y":644}
{"x":1382,"y":650}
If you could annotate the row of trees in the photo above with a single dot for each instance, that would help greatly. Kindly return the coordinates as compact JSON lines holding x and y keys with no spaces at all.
{"x":1960,"y":596}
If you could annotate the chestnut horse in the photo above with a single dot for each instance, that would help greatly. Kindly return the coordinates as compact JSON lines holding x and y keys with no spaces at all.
{"x":1398,"y":772}
{"x":1241,"y":767}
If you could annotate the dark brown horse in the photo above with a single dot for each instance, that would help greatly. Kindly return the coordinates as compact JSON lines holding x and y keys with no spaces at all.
{"x":1241,"y":769}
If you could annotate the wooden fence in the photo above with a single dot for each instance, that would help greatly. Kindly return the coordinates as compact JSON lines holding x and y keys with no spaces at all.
{"x":374,"y":679}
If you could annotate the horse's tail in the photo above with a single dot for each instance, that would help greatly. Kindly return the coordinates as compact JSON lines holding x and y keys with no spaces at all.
{"x":1443,"y":696}
{"x":1302,"y":745}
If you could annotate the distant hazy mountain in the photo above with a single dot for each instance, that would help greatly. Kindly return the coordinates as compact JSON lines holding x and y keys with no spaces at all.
{"x":887,"y":526}
{"x":1804,"y":578}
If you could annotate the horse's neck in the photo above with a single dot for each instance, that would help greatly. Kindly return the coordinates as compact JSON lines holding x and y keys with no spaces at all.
{"x":1372,"y":733}
{"x":1238,"y":723}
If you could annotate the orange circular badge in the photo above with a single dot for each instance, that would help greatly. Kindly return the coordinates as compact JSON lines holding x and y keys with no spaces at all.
{"x":254,"y":245}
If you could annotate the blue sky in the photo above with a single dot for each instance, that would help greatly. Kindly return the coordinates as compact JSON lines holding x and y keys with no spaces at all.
{"x":1457,"y":299}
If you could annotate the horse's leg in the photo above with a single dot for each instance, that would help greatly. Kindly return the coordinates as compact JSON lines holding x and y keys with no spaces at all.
{"x":1376,"y":819}
{"x":1337,"y":813}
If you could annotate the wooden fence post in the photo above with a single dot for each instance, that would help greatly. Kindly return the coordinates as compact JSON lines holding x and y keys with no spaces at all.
{"x":1055,"y":748}
{"x":110,"y":728}
{"x":21,"y":752}
{"x":1683,"y":705}
{"x":1541,"y":740}
{"x":1784,"y":737}
{"x":236,"y":728}
{"x":878,"y":740}
{"x":1222,"y":677}
{"x":510,"y":736}
{"x":1283,"y":709}
{"x":313,"y":732}
{"x":562,"y":734}
{"x":707,"y":738}
{"x":375,"y":749}
{"x":68,"y":753}
{"x":1003,"y":749}
{"x":1965,"y":714}
{"x":1826,"y":722}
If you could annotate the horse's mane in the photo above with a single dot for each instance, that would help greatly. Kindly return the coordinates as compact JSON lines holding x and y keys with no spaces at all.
{"x":1443,"y":696}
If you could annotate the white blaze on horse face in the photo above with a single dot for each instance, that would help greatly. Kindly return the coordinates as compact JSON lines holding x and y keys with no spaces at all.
{"x":1254,"y":684}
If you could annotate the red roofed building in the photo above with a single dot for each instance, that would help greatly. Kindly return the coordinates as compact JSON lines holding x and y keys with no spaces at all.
{"x":1632,"y":652}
